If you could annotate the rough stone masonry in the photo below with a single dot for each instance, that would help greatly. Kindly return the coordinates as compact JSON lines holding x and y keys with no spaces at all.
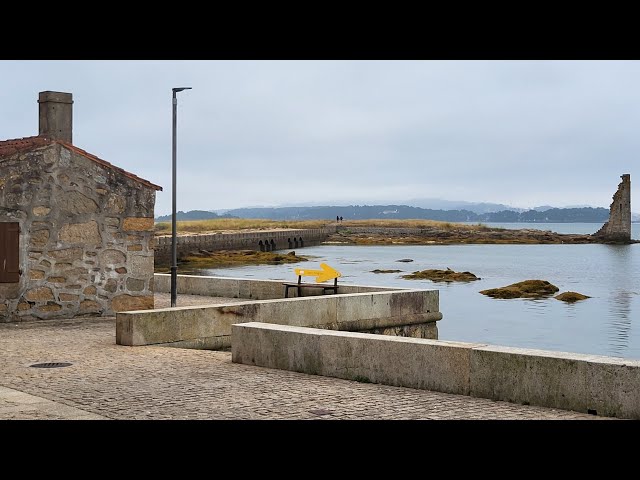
{"x":85,"y":241}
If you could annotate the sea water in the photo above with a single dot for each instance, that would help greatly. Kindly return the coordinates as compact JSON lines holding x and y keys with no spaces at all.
{"x":607,"y":323}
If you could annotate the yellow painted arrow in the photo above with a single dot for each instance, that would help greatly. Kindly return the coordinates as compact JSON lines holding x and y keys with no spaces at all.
{"x":327,"y":273}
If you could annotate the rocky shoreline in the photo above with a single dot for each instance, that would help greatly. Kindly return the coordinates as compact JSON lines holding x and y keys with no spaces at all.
{"x":203,"y":256}
{"x":454,"y":234}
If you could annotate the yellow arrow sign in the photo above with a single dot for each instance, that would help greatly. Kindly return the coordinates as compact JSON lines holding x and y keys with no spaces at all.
{"x":327,"y":273}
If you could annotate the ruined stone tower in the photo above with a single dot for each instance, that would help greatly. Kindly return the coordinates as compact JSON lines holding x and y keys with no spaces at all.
{"x":618,"y":228}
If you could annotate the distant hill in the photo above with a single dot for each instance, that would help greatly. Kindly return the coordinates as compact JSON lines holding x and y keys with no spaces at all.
{"x":353,"y":212}
{"x":475,"y":207}
{"x":404,"y":212}
{"x":193,"y":215}
{"x":552,"y":215}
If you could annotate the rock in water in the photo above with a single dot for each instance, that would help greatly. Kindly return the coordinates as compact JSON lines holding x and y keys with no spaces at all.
{"x":525,"y":289}
{"x":447,"y":275}
{"x":571,"y":297}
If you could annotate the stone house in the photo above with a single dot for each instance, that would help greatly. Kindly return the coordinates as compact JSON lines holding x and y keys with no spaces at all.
{"x":76,"y":232}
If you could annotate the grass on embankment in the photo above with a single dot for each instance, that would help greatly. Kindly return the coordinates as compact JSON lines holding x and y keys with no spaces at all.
{"x":230,"y":224}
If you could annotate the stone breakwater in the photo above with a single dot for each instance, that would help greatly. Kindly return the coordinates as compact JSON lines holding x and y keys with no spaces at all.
{"x":259,"y":240}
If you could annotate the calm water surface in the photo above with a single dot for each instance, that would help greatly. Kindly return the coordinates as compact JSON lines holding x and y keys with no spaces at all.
{"x":608,"y":323}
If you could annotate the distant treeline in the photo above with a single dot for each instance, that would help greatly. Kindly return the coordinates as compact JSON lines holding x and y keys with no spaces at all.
{"x":193,"y":215}
{"x":402,"y":212}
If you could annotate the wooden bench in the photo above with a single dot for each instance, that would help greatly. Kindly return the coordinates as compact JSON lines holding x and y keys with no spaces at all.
{"x":299,"y":286}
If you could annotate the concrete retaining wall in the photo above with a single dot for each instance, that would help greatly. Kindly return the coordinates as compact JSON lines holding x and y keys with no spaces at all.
{"x":210,"y":326}
{"x":605,"y":386}
{"x":263,"y":240}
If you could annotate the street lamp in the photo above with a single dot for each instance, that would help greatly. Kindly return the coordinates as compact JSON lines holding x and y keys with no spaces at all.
{"x":174,"y":250}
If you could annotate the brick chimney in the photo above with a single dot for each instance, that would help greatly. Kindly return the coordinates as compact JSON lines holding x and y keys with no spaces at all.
{"x":55,"y":116}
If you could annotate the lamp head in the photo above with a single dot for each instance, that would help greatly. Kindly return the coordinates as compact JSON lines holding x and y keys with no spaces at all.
{"x":179,"y":89}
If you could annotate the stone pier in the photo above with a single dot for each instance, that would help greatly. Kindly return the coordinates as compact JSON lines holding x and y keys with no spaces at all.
{"x":261,"y":241}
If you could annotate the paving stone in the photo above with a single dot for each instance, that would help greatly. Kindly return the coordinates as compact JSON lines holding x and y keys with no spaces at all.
{"x":113,"y":381}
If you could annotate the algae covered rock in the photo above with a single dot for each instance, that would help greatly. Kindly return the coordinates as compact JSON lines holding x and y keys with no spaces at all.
{"x":447,"y":275}
{"x":571,"y":297}
{"x":525,"y":289}
{"x":204,"y":259}
{"x":377,"y":270}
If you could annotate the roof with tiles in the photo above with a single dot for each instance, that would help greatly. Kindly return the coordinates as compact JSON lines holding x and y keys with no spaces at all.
{"x":9,"y":147}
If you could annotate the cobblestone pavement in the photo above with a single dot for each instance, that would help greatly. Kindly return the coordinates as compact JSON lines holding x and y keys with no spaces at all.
{"x":109,"y":381}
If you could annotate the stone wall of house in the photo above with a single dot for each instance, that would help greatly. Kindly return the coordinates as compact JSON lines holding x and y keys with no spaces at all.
{"x":86,"y":236}
{"x":618,"y":228}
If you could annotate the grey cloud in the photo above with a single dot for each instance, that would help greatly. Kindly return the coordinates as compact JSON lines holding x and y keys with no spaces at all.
{"x":275,"y":132}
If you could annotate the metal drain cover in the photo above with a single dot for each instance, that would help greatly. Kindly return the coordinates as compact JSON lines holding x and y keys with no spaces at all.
{"x":51,"y":365}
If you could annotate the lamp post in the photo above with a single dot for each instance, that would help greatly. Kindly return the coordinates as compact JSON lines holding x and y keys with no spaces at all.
{"x":174,"y":250}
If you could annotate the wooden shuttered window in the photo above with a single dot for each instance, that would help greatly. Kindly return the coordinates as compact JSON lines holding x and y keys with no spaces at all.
{"x":9,"y":252}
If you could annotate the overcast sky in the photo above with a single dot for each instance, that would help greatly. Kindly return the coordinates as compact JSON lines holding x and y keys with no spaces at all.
{"x":269,"y":133}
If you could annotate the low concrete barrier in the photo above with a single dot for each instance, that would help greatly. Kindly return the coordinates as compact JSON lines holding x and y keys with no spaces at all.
{"x":399,"y":311}
{"x":601,"y":385}
{"x":607,"y":386}
{"x":244,"y":288}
